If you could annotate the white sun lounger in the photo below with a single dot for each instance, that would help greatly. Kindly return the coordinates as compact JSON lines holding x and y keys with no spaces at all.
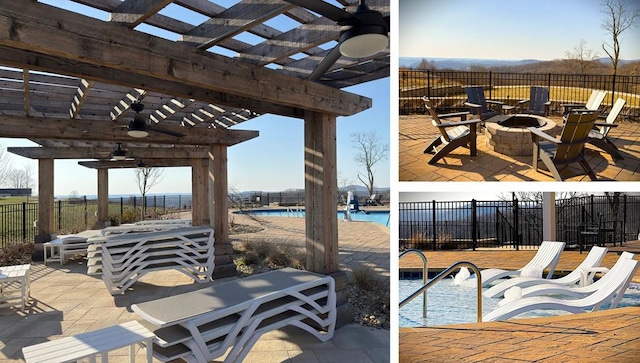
{"x":547,"y":257}
{"x":182,"y":222}
{"x":202,"y":325}
{"x":593,"y":259}
{"x":127,"y":257}
{"x":615,"y":281}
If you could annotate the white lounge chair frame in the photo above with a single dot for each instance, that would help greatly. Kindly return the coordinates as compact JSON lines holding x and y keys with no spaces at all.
{"x":182,"y":222}
{"x":618,"y":282}
{"x":547,"y":256}
{"x":128,"y":257}
{"x":593,"y":259}
{"x":202,"y":325}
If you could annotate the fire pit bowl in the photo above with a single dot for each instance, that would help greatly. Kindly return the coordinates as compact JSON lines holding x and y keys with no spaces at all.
{"x":510,"y":134}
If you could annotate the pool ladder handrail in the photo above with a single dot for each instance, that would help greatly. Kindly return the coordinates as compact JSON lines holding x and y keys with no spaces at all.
{"x":448,"y":271}
{"x":425,"y":275}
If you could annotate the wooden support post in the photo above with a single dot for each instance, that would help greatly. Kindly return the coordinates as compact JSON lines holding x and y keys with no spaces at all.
{"x":321,"y":206}
{"x":45,"y":207}
{"x":219,"y":211}
{"x":199,"y":182}
{"x":103,"y":199}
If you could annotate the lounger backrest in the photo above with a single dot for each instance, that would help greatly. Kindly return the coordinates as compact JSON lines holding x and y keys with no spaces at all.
{"x":613,"y":115}
{"x":547,"y":256}
{"x":475,"y":94}
{"x":575,"y":133}
{"x":435,"y":119}
{"x":595,"y":100}
{"x":537,"y":98}
{"x":616,"y":280}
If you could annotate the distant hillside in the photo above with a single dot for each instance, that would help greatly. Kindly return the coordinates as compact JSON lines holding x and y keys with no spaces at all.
{"x":601,"y":66}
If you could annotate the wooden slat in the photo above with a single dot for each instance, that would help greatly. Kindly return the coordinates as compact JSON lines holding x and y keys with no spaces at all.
{"x":27,"y":104}
{"x":124,"y":104}
{"x":44,"y":128}
{"x":129,"y":164}
{"x":105,"y":152}
{"x":34,"y":26}
{"x":81,"y":95}
{"x":169,"y":108}
{"x":133,"y":12}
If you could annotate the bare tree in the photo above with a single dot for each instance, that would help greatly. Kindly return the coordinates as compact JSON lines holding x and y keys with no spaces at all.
{"x":426,"y":65}
{"x":620,"y":16}
{"x":5,"y":166}
{"x":371,"y":150}
{"x":582,"y":59}
{"x":147,"y":178}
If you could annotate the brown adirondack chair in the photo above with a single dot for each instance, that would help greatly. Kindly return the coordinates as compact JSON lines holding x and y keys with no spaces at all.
{"x":598,"y":136}
{"x":452,"y":134}
{"x":569,"y":149}
{"x":479,"y":104}
{"x":538,"y":102}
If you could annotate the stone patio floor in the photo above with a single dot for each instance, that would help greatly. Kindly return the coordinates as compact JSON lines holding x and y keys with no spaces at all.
{"x":66,"y":301}
{"x":608,"y":335}
{"x":416,"y":132}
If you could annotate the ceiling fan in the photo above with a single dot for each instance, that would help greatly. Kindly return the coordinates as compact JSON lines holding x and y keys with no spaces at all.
{"x":363,"y":33}
{"x":119,"y":153}
{"x":139,"y":127}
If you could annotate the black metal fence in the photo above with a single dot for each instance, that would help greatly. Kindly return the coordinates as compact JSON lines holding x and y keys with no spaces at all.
{"x":446,"y":88}
{"x":511,"y":224}
{"x":295,"y":198}
{"x":18,"y":222}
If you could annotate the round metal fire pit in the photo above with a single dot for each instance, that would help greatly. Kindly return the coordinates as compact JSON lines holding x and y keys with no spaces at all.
{"x":510,"y":136}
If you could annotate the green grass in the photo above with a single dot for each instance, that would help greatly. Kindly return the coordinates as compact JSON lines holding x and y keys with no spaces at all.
{"x":16,"y":200}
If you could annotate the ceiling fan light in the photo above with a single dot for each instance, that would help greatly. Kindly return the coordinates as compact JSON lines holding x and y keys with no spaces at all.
{"x":141,"y":165}
{"x":363,"y":41}
{"x":119,"y":155}
{"x":137,"y":129}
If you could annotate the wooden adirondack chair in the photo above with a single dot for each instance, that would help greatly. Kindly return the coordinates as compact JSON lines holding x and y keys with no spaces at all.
{"x":453,"y":134}
{"x":598,"y":136}
{"x":479,"y":104}
{"x":569,"y":149}
{"x":538,"y":102}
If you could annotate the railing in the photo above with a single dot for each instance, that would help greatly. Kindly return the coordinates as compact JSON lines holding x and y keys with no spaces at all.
{"x":501,"y":224}
{"x":448,"y":271}
{"x":446,"y":88}
{"x":425,"y":276}
{"x":293,"y":198}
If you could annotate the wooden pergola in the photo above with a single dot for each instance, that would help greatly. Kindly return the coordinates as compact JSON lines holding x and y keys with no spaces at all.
{"x":68,"y":80}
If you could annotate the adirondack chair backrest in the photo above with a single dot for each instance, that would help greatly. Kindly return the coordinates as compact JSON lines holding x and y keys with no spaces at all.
{"x":575,"y":133}
{"x":475,"y":95}
{"x":537,"y":98}
{"x":595,"y":100}
{"x":613,"y":115}
{"x":435,"y":120}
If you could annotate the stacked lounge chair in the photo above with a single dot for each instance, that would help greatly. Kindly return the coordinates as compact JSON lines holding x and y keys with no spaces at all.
{"x":128,"y":257}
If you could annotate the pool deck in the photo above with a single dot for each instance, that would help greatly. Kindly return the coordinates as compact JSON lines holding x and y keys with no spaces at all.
{"x":609,"y":335}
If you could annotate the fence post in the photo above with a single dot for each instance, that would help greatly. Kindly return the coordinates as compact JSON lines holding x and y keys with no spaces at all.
{"x":474,"y":224}
{"x":86,"y":216}
{"x":59,"y":215}
{"x":433,"y":220}
{"x":490,"y":83}
{"x":24,"y":222}
{"x":428,"y":83}
{"x":516,"y":219}
{"x":624,"y":219}
{"x":613,"y":89}
{"x":121,"y":207}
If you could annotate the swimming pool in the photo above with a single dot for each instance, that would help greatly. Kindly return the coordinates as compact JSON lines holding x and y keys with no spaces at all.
{"x":375,"y":216}
{"x":449,"y":304}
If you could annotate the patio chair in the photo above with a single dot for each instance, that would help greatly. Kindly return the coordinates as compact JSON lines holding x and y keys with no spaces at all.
{"x":614,"y":282}
{"x":479,"y":104}
{"x":568,"y":149}
{"x":593,"y":103}
{"x":546,"y":257}
{"x":452,"y":134}
{"x":538,"y":102}
{"x":598,"y":136}
{"x":593,"y":259}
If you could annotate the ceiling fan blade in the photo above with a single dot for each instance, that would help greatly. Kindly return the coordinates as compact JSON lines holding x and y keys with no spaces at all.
{"x":165,"y":131}
{"x":325,"y":64}
{"x":388,"y":20}
{"x":325,"y":9}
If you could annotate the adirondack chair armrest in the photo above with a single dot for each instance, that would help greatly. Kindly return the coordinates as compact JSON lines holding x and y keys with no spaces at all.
{"x":584,"y":110}
{"x":542,"y":135}
{"x":548,"y":103}
{"x":495,"y":102}
{"x":605,"y":124}
{"x":573,"y":105}
{"x":522,"y":102}
{"x":459,"y":123}
{"x":473,"y":105}
{"x":462,"y":115}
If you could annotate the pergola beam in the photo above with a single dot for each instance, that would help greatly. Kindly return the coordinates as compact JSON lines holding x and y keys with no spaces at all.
{"x":67,"y":129}
{"x":35,"y":27}
{"x":129,"y":164}
{"x":105,"y":152}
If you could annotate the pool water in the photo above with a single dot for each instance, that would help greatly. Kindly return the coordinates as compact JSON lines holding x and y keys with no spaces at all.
{"x":449,"y":304}
{"x":375,"y":216}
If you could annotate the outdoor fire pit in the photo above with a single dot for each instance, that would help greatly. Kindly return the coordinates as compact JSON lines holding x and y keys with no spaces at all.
{"x":509,"y":134}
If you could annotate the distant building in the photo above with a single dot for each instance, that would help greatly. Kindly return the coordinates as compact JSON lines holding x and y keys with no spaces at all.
{"x":15,"y":192}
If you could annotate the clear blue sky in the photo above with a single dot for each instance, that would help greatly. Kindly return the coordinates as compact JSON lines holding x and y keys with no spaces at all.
{"x":506,"y":29}
{"x":272,"y":162}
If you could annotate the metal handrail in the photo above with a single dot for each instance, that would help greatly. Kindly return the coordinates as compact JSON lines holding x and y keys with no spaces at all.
{"x":425,"y":277}
{"x":446,"y":273}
